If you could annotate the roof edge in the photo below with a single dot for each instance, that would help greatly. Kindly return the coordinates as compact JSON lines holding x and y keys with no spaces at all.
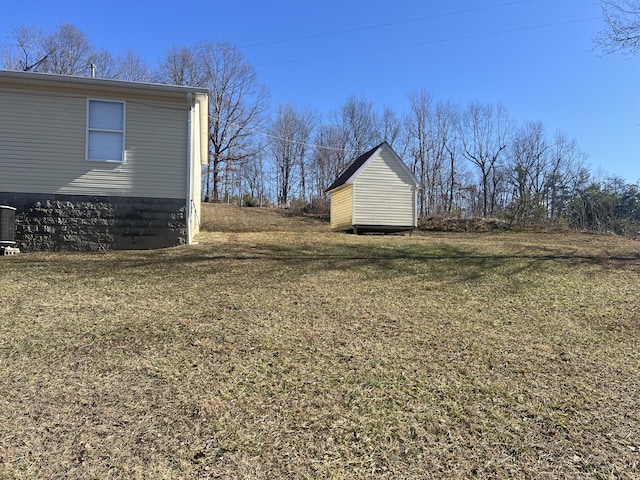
{"x":353,"y":168}
{"x":37,"y":78}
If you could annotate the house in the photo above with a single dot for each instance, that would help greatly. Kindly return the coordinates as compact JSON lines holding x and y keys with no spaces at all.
{"x":376,"y":193}
{"x":94,"y":164}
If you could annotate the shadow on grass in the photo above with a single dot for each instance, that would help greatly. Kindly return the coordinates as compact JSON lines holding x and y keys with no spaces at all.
{"x":445,"y":262}
{"x":442,"y":263}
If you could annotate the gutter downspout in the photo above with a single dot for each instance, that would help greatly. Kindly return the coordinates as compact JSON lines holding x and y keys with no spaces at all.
{"x":189,"y":168}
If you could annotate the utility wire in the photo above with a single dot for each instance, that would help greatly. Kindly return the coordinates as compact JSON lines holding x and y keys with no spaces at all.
{"x":382,"y":25}
{"x":276,"y":137}
{"x":430,"y":42}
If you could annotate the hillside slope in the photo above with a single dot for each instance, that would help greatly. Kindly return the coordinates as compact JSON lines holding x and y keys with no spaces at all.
{"x":220,"y":217}
{"x":277,"y":349}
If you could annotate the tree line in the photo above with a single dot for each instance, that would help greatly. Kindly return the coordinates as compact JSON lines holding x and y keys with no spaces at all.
{"x":472,"y":161}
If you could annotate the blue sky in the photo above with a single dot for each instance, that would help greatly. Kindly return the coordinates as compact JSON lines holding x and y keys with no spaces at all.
{"x":535,"y":56}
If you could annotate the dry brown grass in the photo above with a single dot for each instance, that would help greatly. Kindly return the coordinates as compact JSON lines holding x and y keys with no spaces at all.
{"x":275,"y":349}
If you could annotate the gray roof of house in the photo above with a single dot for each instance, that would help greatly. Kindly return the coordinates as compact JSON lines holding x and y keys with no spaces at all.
{"x":35,"y":78}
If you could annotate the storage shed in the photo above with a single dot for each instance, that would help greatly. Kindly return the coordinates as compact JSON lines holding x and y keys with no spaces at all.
{"x":376,"y":193}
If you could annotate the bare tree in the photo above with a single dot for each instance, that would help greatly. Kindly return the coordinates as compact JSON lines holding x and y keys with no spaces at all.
{"x":65,"y":51}
{"x":417,"y":126}
{"x":483,"y":133}
{"x":566,"y":174}
{"x":237,"y":106}
{"x":431,"y":133}
{"x":284,"y":151}
{"x":623,"y":26}
{"x":27,"y":50}
{"x":237,"y":103}
{"x":390,"y":127}
{"x":545,"y":175}
{"x":102,"y":64}
{"x":69,"y":52}
{"x":352,"y":129}
{"x":254,"y":177}
{"x":290,"y":137}
{"x":181,"y":66}
{"x":358,"y":122}
{"x":329,"y":157}
{"x":308,"y":120}
{"x":446,"y":154}
{"x":528,"y":172}
{"x":131,"y":67}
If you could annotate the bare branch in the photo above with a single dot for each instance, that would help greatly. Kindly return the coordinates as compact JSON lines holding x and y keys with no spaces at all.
{"x":623,"y":27}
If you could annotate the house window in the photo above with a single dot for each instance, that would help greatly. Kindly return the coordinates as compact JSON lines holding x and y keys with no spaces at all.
{"x":105,"y":130}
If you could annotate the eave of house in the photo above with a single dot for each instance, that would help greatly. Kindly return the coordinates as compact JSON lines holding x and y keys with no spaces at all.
{"x":65,"y":82}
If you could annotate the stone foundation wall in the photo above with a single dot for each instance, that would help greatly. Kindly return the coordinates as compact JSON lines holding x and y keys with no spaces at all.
{"x":84,"y":223}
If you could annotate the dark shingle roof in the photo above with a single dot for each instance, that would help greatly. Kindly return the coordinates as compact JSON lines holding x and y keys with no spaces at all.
{"x":353,"y":168}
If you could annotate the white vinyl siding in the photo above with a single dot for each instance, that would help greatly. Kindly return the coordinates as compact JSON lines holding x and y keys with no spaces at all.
{"x":342,"y":208}
{"x":43,"y":140}
{"x":384,"y":194}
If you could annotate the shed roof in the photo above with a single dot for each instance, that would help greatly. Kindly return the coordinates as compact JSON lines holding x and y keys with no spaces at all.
{"x":354,"y":167}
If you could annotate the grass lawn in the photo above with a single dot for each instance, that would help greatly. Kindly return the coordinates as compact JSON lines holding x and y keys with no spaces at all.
{"x":276,"y":349}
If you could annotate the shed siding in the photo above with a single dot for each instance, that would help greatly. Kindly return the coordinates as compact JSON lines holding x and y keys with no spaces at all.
{"x":384,"y":194}
{"x":342,"y":208}
{"x":42,"y":147}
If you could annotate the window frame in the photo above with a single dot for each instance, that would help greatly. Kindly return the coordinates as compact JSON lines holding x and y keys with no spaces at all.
{"x":89,"y":130}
